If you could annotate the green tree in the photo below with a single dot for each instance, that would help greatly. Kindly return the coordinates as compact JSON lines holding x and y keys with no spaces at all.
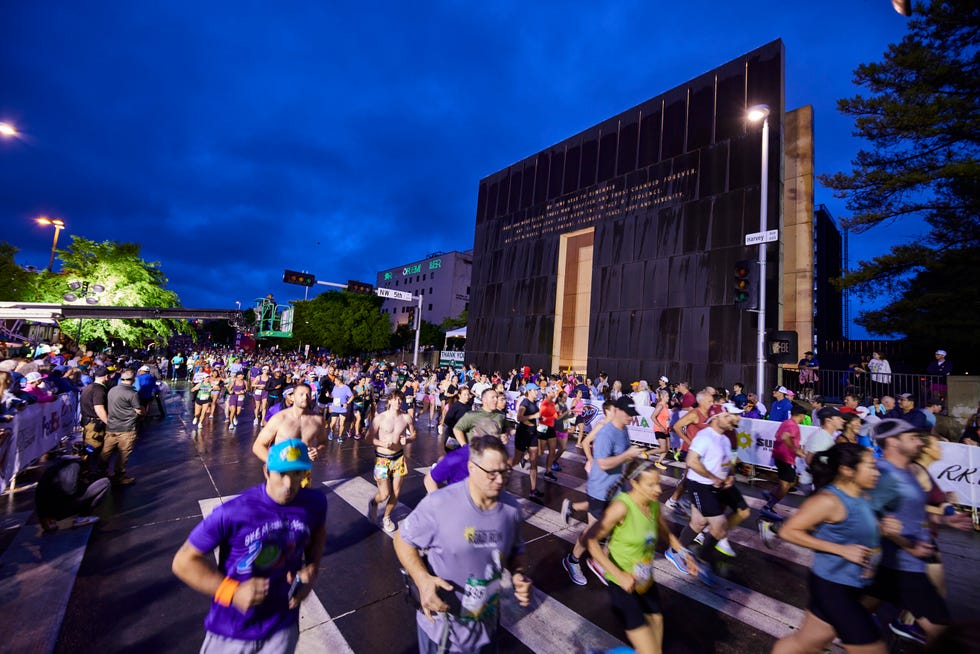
{"x":432,"y":335}
{"x":450,"y":324}
{"x":16,"y":284}
{"x":344,"y":323}
{"x":128,"y":281}
{"x":921,"y":117}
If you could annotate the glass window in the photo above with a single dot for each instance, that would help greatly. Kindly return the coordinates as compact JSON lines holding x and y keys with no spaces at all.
{"x":430,"y":307}
{"x":430,"y":290}
{"x":423,"y":276}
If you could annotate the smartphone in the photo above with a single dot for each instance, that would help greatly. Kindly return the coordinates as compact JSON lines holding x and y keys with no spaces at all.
{"x":297,"y":586}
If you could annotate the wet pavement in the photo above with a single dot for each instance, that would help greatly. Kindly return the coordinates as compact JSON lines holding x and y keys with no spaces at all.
{"x":109,"y":588}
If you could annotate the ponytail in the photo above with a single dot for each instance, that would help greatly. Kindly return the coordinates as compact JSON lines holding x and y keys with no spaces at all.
{"x":633,"y":469}
{"x":826,"y":465}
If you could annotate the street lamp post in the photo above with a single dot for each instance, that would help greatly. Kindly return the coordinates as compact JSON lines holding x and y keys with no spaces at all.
{"x":757,"y":113}
{"x":59,"y":225}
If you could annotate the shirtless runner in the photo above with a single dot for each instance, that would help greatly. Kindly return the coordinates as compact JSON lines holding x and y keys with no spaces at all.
{"x":294,"y":422}
{"x":390,"y":431}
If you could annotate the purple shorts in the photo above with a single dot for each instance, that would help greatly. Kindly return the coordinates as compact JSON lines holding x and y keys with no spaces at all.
{"x":236,"y":401}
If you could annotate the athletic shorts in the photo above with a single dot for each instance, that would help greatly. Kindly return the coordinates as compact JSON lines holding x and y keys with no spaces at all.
{"x":912,"y":591}
{"x":787,"y":472}
{"x":385,"y":468}
{"x":236,"y":401}
{"x":840,"y":607}
{"x":597,"y":507}
{"x":200,"y":402}
{"x":561,"y":435}
{"x":525,"y":438}
{"x":712,"y":501}
{"x":632,"y":608}
{"x":337,"y":414}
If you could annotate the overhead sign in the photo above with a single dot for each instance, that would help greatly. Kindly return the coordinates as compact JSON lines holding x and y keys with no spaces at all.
{"x":762,"y":237}
{"x":394,"y":295}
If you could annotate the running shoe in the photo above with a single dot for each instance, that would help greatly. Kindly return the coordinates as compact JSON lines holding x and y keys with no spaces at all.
{"x":767,"y":533}
{"x":725,"y":547}
{"x":231,"y":427}
{"x":536,"y":496}
{"x":699,"y":539}
{"x":389,"y":525}
{"x":566,"y":511}
{"x":769,"y":514}
{"x":908,"y":631}
{"x":677,"y":558}
{"x":597,"y":570}
{"x":706,"y":576}
{"x":329,"y":435}
{"x":574,"y":571}
{"x":373,"y":511}
{"x":84,"y":521}
{"x":194,"y":422}
{"x":550,"y":476}
{"x":235,"y":421}
{"x":556,"y":467}
{"x":524,"y":462}
{"x":255,"y":422}
{"x":358,"y":436}
{"x":770,"y":498}
{"x":659,"y":463}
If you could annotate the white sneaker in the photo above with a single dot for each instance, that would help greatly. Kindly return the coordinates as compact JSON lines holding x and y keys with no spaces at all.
{"x":235,"y":422}
{"x":699,"y":539}
{"x":566,"y":510}
{"x":255,"y":422}
{"x":725,"y":547}
{"x":388,"y":525}
{"x":194,"y":422}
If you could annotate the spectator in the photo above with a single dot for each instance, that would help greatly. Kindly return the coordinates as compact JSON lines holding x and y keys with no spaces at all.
{"x":910,"y":414}
{"x":33,"y":386}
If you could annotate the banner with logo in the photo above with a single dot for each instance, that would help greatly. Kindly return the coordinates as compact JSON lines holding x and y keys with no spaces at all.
{"x":956,"y":472}
{"x":451,"y":358}
{"x":36,"y":430}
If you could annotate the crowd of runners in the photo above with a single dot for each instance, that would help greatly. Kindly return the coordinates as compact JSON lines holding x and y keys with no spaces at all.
{"x":871,"y":517}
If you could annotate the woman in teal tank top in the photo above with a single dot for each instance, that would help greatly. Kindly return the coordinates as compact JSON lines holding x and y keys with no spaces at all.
{"x":633,"y":522}
{"x":839,"y":525}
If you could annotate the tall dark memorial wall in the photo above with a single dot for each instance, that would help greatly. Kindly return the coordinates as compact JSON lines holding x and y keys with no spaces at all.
{"x":671,"y":187}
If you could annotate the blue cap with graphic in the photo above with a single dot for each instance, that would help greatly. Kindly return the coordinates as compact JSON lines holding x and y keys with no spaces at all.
{"x":288,"y":456}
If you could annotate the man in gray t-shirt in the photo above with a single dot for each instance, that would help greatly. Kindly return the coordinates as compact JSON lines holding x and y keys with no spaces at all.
{"x":470,"y":532}
{"x":123,"y":407}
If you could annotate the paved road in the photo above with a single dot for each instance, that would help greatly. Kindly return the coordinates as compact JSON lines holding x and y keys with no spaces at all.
{"x":109,"y":588}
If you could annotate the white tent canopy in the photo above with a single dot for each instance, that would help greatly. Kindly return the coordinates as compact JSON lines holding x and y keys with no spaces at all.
{"x":457,"y":333}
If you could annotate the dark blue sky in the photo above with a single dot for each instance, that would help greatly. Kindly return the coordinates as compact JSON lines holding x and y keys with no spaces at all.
{"x":236,"y":139}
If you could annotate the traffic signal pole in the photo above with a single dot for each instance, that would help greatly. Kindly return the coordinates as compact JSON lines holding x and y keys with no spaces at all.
{"x":760,"y":374}
{"x":418,"y":330}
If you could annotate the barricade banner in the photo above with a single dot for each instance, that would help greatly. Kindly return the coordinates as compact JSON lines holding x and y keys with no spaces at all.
{"x":36,"y":430}
{"x":956,"y":472}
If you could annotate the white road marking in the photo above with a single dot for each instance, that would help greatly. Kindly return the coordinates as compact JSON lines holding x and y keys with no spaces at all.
{"x":317,"y":630}
{"x":547,"y":626}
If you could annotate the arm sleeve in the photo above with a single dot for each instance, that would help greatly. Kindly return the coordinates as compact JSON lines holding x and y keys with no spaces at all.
{"x":209,"y":533}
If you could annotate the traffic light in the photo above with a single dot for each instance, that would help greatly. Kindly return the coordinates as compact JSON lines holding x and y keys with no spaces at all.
{"x":411,"y":318}
{"x":746,"y":284}
{"x":355,"y":286}
{"x":298,"y":278}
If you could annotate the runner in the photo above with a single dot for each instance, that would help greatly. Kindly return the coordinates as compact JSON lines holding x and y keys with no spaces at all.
{"x":526,"y":436}
{"x":390,"y":431}
{"x":260,"y":395}
{"x":487,"y":420}
{"x":470,"y":533}
{"x":839,"y":525}
{"x":632,"y":523}
{"x":270,"y":541}
{"x":786,"y":448}
{"x":686,"y":429}
{"x":612,"y":450}
{"x":236,"y":398}
{"x":217,"y":386}
{"x":361,"y":405}
{"x":341,"y":398}
{"x":296,"y":421}
{"x":201,"y":392}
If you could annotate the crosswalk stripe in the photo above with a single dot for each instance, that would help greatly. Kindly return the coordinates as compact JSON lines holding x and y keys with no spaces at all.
{"x":546,"y":626}
{"x":317,"y":630}
{"x":743,"y":536}
{"x":755,"y":609}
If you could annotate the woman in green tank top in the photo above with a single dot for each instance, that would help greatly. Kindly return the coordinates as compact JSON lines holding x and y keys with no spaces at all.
{"x":632,"y":523}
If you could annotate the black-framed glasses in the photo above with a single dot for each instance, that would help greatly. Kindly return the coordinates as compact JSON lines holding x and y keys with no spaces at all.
{"x":504,"y":474}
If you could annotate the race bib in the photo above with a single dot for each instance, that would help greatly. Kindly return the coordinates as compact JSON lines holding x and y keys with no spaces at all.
{"x":543,"y":429}
{"x":480,"y":597}
{"x":336,"y":402}
{"x":643,"y":574}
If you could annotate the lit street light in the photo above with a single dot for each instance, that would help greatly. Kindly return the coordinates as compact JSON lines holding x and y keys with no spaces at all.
{"x":755,"y":114}
{"x":8,"y":131}
{"x":59,"y":225}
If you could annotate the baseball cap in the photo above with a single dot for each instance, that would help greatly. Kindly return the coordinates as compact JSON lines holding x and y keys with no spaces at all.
{"x":862,"y":411}
{"x":783,"y":390}
{"x":664,"y":379}
{"x":288,"y":456}
{"x":893,"y":427}
{"x":942,"y":352}
{"x":625,"y":403}
{"x":907,"y":396}
{"x":146,"y":368}
{"x":790,"y":394}
{"x":828,"y":412}
{"x":33,"y":377}
{"x":933,"y":401}
{"x":729,"y":407}
{"x":100,"y":372}
{"x":532,"y":387}
{"x":289,"y":391}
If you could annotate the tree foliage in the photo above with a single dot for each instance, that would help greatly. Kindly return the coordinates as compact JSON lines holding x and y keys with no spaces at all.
{"x":344,"y":323}
{"x":921,"y":118}
{"x":127,"y":280}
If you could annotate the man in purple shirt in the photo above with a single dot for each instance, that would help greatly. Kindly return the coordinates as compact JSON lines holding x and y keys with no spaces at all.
{"x":449,"y":469}
{"x":270,"y":540}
